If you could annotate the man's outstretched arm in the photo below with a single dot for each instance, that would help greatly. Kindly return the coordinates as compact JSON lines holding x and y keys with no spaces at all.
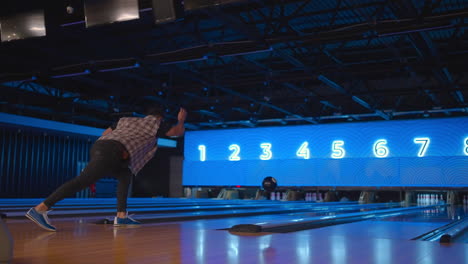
{"x":179,"y":129}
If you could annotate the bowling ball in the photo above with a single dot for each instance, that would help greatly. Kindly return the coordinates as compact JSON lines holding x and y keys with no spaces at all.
{"x":269,"y":184}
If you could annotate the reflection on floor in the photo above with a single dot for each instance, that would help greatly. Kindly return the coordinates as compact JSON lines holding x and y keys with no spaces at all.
{"x":79,"y":240}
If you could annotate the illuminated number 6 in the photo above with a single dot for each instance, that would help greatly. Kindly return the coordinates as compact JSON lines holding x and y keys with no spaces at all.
{"x":266,"y":151}
{"x":235,"y":152}
{"x":380,"y":148}
{"x":202,"y":149}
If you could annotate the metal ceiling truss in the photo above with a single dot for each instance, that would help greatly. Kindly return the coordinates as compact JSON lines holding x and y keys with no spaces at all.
{"x":265,"y":62}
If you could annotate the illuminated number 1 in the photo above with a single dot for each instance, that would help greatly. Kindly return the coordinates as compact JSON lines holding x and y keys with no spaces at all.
{"x":338,"y":151}
{"x":466,"y":146}
{"x":202,"y":149}
{"x":304,"y":151}
{"x":380,"y":148}
{"x":235,"y":152}
{"x":424,"y":145}
{"x":266,"y":151}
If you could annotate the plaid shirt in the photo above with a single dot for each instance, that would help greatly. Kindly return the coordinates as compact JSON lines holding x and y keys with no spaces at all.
{"x":138,"y":135}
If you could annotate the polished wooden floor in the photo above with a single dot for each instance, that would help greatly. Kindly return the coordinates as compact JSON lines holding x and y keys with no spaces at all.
{"x":79,"y":240}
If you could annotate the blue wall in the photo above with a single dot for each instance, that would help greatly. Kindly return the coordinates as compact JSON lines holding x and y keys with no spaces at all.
{"x":34,"y":162}
{"x":432,"y":152}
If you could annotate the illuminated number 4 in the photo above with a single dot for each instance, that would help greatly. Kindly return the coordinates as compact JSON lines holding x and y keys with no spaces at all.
{"x":303,"y":151}
{"x":466,"y":146}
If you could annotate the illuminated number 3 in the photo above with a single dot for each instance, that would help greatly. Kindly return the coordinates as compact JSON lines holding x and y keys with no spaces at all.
{"x":266,"y":147}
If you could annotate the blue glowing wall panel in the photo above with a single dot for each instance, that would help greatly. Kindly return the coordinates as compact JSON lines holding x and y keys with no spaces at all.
{"x":431,"y":152}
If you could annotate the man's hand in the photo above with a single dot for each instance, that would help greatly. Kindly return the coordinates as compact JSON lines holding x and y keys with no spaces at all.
{"x":182,"y":115}
{"x":179,"y":129}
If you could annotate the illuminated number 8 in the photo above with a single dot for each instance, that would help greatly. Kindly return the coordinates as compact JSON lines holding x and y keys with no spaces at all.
{"x":466,"y":146}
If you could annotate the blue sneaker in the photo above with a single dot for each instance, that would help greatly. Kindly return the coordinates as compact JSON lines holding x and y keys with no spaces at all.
{"x":40,"y":219}
{"x":127,"y":221}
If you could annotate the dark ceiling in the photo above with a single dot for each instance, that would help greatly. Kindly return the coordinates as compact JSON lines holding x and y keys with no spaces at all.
{"x":247,"y":64}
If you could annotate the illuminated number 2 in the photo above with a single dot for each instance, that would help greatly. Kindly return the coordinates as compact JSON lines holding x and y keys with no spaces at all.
{"x":338,"y":150}
{"x":235,"y":152}
{"x":465,"y":149}
{"x":266,"y":147}
{"x":304,"y":151}
{"x":380,"y":148}
{"x":424,"y":145}
{"x":202,"y":149}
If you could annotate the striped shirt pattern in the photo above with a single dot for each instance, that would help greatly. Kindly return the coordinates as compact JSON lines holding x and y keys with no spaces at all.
{"x":138,"y":135}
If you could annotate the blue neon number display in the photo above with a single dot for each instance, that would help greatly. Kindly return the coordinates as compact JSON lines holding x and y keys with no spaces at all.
{"x":431,"y":152}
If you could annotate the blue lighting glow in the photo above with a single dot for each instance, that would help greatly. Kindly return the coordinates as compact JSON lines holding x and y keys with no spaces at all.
{"x":235,"y":152}
{"x":338,"y":150}
{"x":424,"y":141}
{"x":426,"y":152}
{"x":33,"y":122}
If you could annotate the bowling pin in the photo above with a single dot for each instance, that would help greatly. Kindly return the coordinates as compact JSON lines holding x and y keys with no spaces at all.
{"x":272,"y":196}
{"x":441,"y":199}
{"x":278,"y":196}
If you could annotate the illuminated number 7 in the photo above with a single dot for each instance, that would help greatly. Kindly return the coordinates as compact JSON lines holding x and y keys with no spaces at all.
{"x":235,"y":152}
{"x":267,"y":154}
{"x":424,"y":145}
{"x":202,"y":149}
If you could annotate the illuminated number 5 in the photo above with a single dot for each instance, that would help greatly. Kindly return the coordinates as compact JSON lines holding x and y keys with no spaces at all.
{"x":304,"y":151}
{"x":466,"y":146}
{"x":266,"y":151}
{"x":424,"y":145}
{"x":380,"y":148}
{"x":338,"y":151}
{"x":202,"y":149}
{"x":235,"y":152}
